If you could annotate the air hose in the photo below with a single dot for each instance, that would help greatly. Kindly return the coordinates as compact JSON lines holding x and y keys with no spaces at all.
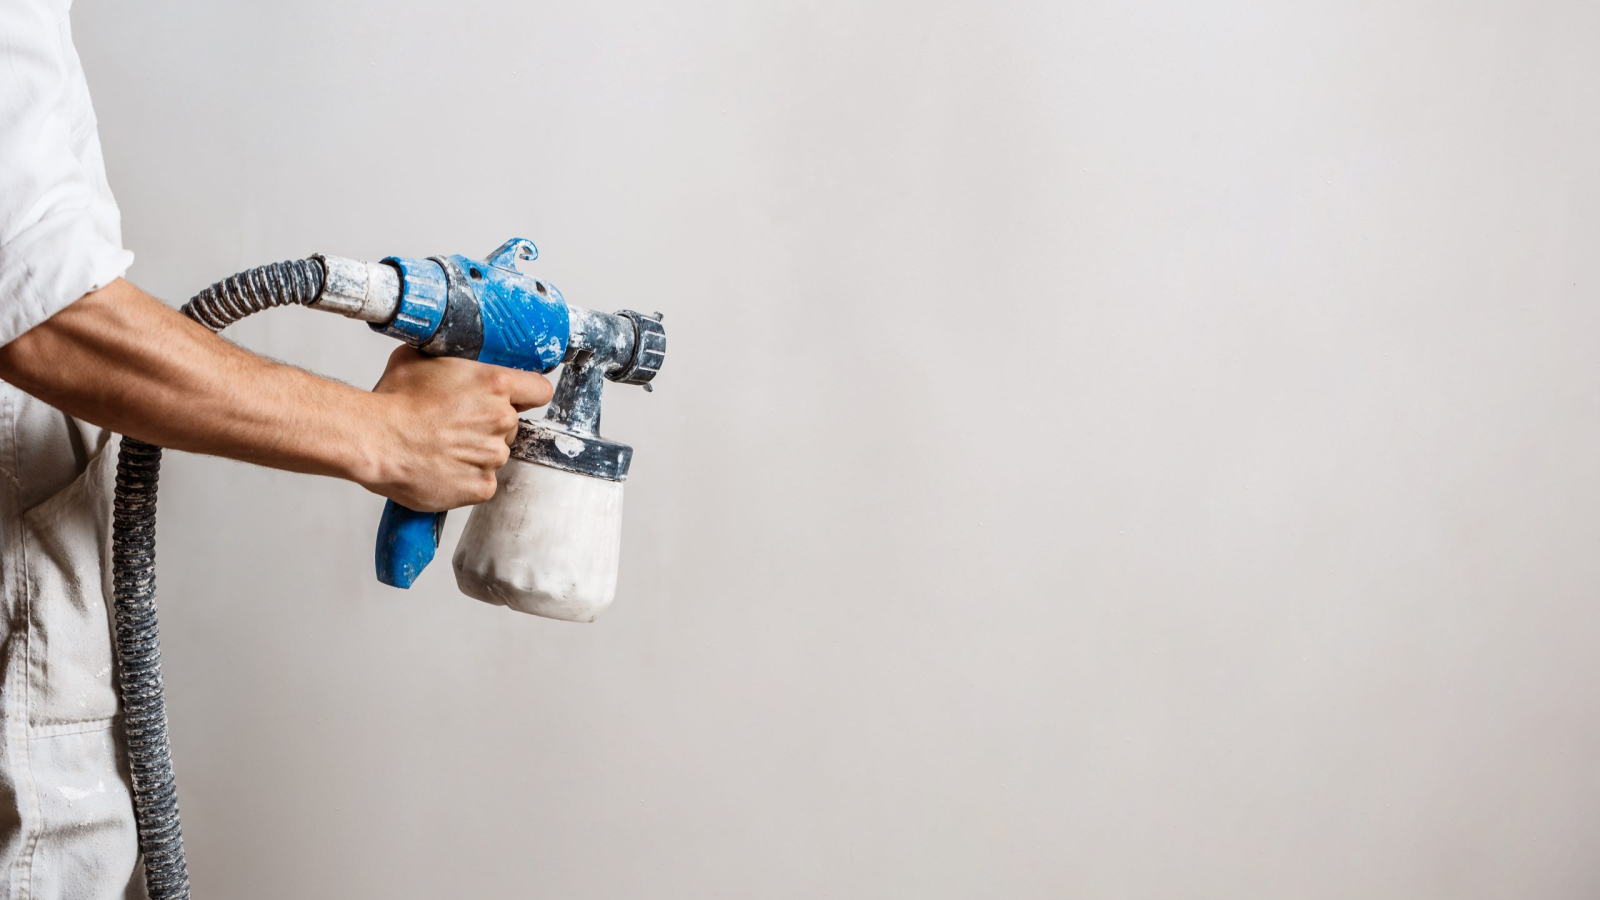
{"x":133,"y":560}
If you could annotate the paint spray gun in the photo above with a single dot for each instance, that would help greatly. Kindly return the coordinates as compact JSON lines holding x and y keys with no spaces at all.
{"x":547,"y":542}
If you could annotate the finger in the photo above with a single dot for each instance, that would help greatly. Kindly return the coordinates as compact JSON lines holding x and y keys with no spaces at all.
{"x":529,"y":389}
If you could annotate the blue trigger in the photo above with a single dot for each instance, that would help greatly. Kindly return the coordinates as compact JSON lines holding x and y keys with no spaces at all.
{"x":407,"y":540}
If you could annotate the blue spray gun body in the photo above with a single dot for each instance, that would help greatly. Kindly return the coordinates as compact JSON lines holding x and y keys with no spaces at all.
{"x":487,"y":310}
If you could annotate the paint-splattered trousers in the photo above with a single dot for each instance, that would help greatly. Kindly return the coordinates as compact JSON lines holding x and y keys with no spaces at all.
{"x":66,"y":817}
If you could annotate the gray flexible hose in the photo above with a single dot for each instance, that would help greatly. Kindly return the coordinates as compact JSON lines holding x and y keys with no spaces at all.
{"x":133,"y":562}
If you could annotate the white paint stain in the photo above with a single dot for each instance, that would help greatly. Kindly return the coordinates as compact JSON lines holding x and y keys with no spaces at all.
{"x":568,"y":444}
{"x":73,"y":794}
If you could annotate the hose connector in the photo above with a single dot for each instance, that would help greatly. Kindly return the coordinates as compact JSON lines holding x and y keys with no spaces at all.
{"x":424,"y":293}
{"x":358,"y":289}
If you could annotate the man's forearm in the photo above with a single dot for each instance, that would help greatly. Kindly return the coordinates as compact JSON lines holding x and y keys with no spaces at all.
{"x":430,"y":435}
{"x":121,"y":359}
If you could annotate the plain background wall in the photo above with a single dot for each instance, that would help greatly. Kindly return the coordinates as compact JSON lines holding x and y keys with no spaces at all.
{"x":1107,"y":450}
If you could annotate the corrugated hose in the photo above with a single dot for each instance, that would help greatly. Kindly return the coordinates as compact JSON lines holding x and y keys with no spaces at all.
{"x":133,"y":560}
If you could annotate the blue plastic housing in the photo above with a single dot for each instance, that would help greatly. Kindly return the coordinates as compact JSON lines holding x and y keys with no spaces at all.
{"x":525,"y":321}
{"x":505,"y":318}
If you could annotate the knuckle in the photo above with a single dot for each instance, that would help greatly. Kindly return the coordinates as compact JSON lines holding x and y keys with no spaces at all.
{"x":497,"y":379}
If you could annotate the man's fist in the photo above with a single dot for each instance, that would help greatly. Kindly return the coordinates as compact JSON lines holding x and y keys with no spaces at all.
{"x":443,"y":428}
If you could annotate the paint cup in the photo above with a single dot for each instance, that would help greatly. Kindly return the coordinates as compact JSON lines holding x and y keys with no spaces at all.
{"x":546,"y":544}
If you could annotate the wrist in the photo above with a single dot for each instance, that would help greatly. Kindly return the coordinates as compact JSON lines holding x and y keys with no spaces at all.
{"x":367,"y":452}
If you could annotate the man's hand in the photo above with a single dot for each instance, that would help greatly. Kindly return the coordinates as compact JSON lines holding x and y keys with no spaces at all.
{"x":430,"y":436}
{"x":446,"y":427}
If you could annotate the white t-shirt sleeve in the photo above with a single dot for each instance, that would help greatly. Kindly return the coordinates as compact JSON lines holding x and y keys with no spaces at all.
{"x":60,"y":232}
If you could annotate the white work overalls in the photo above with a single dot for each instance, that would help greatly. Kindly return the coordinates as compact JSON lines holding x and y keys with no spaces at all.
{"x":66,"y":819}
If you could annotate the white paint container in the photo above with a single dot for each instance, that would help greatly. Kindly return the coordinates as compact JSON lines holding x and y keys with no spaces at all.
{"x":547,"y":543}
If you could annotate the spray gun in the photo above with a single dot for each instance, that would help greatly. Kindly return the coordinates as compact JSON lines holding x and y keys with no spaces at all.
{"x":547,"y":542}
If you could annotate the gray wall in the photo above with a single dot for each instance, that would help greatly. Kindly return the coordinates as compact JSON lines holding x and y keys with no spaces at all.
{"x":1108,"y":450}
